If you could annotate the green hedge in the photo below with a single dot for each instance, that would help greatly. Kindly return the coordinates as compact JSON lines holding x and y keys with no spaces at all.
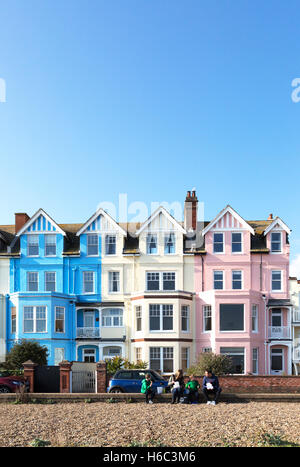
{"x":4,"y":372}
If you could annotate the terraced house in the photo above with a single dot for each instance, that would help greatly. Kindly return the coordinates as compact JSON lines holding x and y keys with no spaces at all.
{"x":243,"y":306}
{"x":160,"y":291}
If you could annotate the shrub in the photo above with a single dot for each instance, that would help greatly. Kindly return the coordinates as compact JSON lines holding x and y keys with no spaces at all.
{"x":117,"y":363}
{"x":26,"y":349}
{"x":219,"y":364}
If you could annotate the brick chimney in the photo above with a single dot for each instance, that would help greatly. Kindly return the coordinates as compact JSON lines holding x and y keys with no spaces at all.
{"x":20,"y":219}
{"x":190,"y":210}
{"x":270,"y":217}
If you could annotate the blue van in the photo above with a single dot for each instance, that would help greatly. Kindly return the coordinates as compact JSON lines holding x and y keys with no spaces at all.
{"x":131,"y":381}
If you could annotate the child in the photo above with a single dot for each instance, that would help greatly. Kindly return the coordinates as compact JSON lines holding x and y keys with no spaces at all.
{"x":147,"y":390}
{"x":193,"y":385}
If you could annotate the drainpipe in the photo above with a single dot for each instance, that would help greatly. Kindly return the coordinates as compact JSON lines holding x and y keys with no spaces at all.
{"x":266,"y":339}
{"x":202,"y":272}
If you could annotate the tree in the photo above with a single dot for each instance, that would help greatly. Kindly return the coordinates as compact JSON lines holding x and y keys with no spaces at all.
{"x":24,"y":350}
{"x":219,"y":364}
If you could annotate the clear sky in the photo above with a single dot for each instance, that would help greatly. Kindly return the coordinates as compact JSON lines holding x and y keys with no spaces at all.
{"x":150,"y":98}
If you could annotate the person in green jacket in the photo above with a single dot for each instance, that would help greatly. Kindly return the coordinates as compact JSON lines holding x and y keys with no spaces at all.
{"x":147,"y":389}
{"x":193,"y":385}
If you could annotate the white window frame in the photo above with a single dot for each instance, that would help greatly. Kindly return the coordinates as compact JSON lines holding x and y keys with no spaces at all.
{"x":255,"y":359}
{"x":161,"y":363}
{"x":254,"y":318}
{"x":47,"y":236}
{"x":120,"y":317}
{"x":237,"y":280}
{"x":161,"y":281}
{"x":56,"y":362}
{"x":161,"y":317}
{"x":232,"y":331}
{"x":207,"y":309}
{"x":187,"y":317}
{"x":45,"y":275}
{"x":148,"y":243}
{"x":281,"y":277}
{"x":30,"y":236}
{"x":90,"y":236}
{"x":138,"y":316}
{"x":27,"y":280}
{"x":89,"y":352}
{"x":188,"y":356}
{"x":108,"y":236}
{"x":84,"y":282}
{"x":34,"y":319}
{"x":242,"y":248}
{"x":56,"y":319}
{"x":111,"y":281}
{"x":223,"y":245}
{"x":223,"y":277}
{"x":166,"y":237}
{"x":12,"y":330}
{"x":271,"y":234}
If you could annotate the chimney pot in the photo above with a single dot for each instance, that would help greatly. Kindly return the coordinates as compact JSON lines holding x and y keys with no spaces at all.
{"x":270,"y":217}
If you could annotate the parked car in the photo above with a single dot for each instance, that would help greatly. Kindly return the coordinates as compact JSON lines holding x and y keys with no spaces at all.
{"x":131,"y":381}
{"x":12,"y":384}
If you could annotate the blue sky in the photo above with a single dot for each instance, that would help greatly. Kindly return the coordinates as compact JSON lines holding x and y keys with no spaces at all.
{"x":150,"y":98}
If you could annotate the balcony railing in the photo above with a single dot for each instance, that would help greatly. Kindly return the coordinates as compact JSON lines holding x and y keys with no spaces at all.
{"x":88,"y":332}
{"x":296,"y":317}
{"x":279,"y":332}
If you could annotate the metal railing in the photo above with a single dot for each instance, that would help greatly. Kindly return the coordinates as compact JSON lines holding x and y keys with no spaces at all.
{"x":279,"y":332}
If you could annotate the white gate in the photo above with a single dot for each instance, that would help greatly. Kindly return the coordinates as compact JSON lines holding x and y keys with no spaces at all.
{"x":83,"y":377}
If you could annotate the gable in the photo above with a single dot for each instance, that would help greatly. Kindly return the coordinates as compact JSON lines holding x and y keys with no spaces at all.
{"x":101,"y":222}
{"x":228,"y":219}
{"x":277,"y":224}
{"x":40,"y":222}
{"x":161,"y":220}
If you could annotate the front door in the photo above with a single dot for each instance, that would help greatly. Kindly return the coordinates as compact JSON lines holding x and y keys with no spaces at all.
{"x":276,"y":361}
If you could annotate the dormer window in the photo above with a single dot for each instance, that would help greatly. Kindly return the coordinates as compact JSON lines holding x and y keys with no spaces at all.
{"x":236,"y":242}
{"x":169,"y":244}
{"x":151,"y":244}
{"x":276,"y":242}
{"x":218,"y":243}
{"x":92,"y":245}
{"x":110,"y":244}
{"x":32,"y":245}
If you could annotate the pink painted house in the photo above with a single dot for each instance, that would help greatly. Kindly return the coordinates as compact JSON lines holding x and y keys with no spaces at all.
{"x":242,"y":292}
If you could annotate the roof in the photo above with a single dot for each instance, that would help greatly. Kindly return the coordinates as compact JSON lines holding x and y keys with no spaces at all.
{"x":279,"y":302}
{"x":194,"y":243}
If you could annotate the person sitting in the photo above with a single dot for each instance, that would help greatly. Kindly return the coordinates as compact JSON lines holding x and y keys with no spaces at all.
{"x":210,"y":386}
{"x":193,"y":385}
{"x":177,"y":387}
{"x":147,"y":389}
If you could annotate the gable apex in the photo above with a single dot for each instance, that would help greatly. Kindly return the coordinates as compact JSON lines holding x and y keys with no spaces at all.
{"x":160,"y":211}
{"x":228,"y":219}
{"x":40,"y":222}
{"x":95,"y":224}
{"x":277,"y":223}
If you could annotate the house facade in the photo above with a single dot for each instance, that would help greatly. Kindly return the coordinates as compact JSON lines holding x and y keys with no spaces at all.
{"x":295,"y":299}
{"x":160,"y":291}
{"x":242,"y":294}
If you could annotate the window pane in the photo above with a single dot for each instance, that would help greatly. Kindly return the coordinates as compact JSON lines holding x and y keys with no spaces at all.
{"x":151,"y":244}
{"x":33,"y":245}
{"x":236,"y":242}
{"x":50,"y":281}
{"x":32,"y":281}
{"x":218,"y":280}
{"x":236,"y":280}
{"x":276,"y":241}
{"x":170,"y":243}
{"x":50,"y":245}
{"x":92,"y":245}
{"x":114,"y":281}
{"x":168,"y":359}
{"x":218,"y":243}
{"x":169,"y":281}
{"x":152,"y":281}
{"x":88,"y":282}
{"x":154,"y":314}
{"x":110,"y":244}
{"x":167,"y":317}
